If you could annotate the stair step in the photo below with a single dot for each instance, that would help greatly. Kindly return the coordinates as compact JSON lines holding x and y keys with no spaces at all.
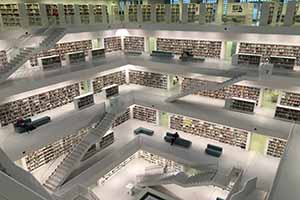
{"x":49,"y":187}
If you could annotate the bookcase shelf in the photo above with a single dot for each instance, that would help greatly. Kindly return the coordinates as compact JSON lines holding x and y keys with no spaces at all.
{"x":283,"y":62}
{"x":32,"y":105}
{"x":122,"y":118}
{"x":62,"y":49}
{"x":196,"y":47}
{"x":69,"y":11}
{"x":134,"y":43}
{"x":146,"y":13}
{"x":290,"y":99}
{"x":241,"y":91}
{"x":240,"y":104}
{"x":84,"y":101}
{"x":98,"y":13}
{"x":76,"y":57}
{"x":160,"y":161}
{"x":276,"y":147}
{"x":52,"y":151}
{"x":111,"y":90}
{"x":132,"y":13}
{"x":160,"y":10}
{"x":220,"y":133}
{"x":97,"y":53}
{"x":84,"y":13}
{"x":271,"y":50}
{"x":33,"y":13}
{"x":3,"y":61}
{"x":193,"y":9}
{"x":10,"y":15}
{"x":145,"y":114}
{"x":210,"y":12}
{"x":149,"y":79}
{"x":112,"y":44}
{"x":248,"y":59}
{"x":118,"y":78}
{"x":51,"y":62}
{"x":52,"y":14}
{"x":288,"y":113}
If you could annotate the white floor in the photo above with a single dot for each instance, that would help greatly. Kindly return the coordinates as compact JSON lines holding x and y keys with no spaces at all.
{"x":115,"y":187}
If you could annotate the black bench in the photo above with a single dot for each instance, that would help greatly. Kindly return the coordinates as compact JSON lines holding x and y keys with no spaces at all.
{"x":41,"y":121}
{"x":214,"y":150}
{"x":162,"y":54}
{"x":142,"y":130}
{"x":30,"y":125}
{"x":170,"y":137}
{"x":218,"y":198}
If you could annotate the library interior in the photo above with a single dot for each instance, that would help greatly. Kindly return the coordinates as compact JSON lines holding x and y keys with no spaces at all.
{"x":149,"y":99}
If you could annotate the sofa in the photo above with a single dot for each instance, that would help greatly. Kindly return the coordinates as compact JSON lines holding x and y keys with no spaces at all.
{"x":144,"y":131}
{"x":162,"y":54}
{"x":30,"y":125}
{"x":214,"y":150}
{"x":169,"y":137}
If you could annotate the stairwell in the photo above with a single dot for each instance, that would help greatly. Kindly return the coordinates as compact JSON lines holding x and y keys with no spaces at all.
{"x":24,"y":54}
{"x":210,"y":86}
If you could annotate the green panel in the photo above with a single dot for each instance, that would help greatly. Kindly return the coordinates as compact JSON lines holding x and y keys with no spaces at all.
{"x":152,"y":44}
{"x":258,"y":143}
{"x":85,"y":87}
{"x":164,"y":119}
{"x":270,"y":97}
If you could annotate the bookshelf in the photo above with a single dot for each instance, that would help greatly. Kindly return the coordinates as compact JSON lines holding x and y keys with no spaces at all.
{"x":290,"y":99}
{"x":10,"y":14}
{"x":175,"y":13}
{"x":122,"y":118}
{"x":3,"y":61}
{"x":268,"y":50}
{"x":287,"y":113}
{"x":52,"y":151}
{"x":193,"y":10}
{"x":84,"y":13}
{"x":32,"y":105}
{"x":240,"y":104}
{"x":160,"y":10}
{"x":145,"y":114}
{"x":112,"y":44}
{"x":100,"y":82}
{"x":51,"y":62}
{"x":111,"y":90}
{"x":146,"y":13}
{"x":276,"y":147}
{"x":84,"y":101}
{"x":134,"y":43}
{"x":98,"y":13}
{"x":283,"y":62}
{"x":210,"y":12}
{"x":235,"y":90}
{"x":196,"y":47}
{"x":160,"y":161}
{"x":220,"y":133}
{"x":149,"y":79}
{"x":97,"y":53}
{"x":132,"y":13}
{"x":34,"y":14}
{"x":69,"y":12}
{"x":52,"y":14}
{"x":248,"y":59}
{"x":76,"y":57}
{"x":45,"y":53}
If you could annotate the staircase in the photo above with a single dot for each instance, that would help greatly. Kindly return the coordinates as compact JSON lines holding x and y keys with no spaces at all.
{"x":210,"y":86}
{"x":24,"y":54}
{"x":72,"y":160}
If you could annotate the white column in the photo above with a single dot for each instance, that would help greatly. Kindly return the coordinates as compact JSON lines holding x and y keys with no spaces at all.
{"x":290,"y":13}
{"x":23,"y":15}
{"x":61,"y":14}
{"x":202,"y":15}
{"x":104,"y":14}
{"x":184,"y":13}
{"x":91,"y":14}
{"x":139,"y":13}
{"x":168,"y":13}
{"x":77,"y":19}
{"x":153,"y":13}
{"x":43,"y":14}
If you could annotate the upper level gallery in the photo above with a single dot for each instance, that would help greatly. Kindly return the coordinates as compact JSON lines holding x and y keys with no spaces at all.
{"x":14,"y":14}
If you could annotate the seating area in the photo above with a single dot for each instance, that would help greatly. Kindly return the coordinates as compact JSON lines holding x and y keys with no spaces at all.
{"x":27,"y":125}
{"x":189,"y":57}
{"x":162,"y":54}
{"x":175,"y":139}
{"x":213,"y":150}
{"x":144,"y":131}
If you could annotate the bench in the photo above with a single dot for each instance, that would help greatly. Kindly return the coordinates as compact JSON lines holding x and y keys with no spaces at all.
{"x":142,"y":130}
{"x":41,"y":121}
{"x":169,"y":137}
{"x":30,"y":125}
{"x":214,"y":150}
{"x":218,"y":198}
{"x":162,"y":54}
